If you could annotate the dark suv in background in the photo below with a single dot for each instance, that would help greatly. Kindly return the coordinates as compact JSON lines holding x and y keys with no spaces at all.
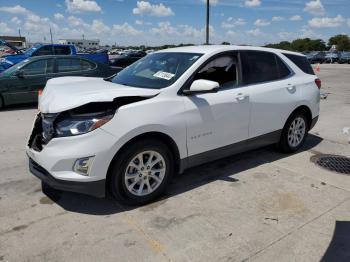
{"x":344,"y":58}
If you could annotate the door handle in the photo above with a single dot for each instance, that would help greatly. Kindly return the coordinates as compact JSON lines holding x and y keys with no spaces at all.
{"x":240,"y":97}
{"x":291,"y":88}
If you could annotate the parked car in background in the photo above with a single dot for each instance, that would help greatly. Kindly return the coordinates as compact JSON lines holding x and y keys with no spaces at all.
{"x":55,"y":49}
{"x":127,"y":59}
{"x":318,"y":57}
{"x":21,"y":82}
{"x":171,"y":110}
{"x":331,"y":57}
{"x":344,"y":58}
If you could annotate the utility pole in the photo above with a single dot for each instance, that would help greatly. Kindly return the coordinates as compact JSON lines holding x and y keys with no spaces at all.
{"x":51,"y":35}
{"x":207,"y":27}
{"x":19,"y":32}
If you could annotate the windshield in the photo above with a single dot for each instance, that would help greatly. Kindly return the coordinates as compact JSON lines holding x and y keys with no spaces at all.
{"x":156,"y":71}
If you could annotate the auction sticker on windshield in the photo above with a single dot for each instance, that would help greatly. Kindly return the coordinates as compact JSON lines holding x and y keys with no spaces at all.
{"x":164,"y":75}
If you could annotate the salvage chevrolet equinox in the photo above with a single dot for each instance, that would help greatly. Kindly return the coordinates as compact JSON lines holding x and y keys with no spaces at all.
{"x":169,"y":111}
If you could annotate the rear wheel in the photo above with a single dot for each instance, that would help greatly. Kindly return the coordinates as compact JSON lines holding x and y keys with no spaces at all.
{"x":1,"y":102}
{"x":142,"y":172}
{"x":294,"y":133}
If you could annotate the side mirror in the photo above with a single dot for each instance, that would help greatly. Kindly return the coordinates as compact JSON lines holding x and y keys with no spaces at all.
{"x":19,"y":74}
{"x":202,"y":86}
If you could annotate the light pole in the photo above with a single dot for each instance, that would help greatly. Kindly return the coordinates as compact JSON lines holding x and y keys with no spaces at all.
{"x":207,"y":26}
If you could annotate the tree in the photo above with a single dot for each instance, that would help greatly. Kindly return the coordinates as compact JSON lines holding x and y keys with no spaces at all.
{"x":341,"y":41}
{"x":285,"y":45}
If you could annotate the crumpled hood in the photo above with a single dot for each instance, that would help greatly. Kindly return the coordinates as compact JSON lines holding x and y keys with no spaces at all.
{"x":64,"y":93}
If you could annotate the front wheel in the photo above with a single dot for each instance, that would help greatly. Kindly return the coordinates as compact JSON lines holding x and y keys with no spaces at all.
{"x":294,"y":133}
{"x":142,"y":172}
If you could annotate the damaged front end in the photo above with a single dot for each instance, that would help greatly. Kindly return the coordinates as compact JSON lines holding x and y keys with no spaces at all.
{"x":76,"y":121}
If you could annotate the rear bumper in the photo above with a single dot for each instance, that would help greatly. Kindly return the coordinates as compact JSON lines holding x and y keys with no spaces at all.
{"x":92,"y":188}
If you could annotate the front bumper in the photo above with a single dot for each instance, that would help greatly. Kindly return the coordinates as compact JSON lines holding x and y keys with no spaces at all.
{"x":54,"y":162}
{"x":94,"y":188}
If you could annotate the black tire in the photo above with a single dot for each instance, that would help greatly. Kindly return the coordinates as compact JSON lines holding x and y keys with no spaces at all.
{"x":1,"y":102}
{"x":119,"y":166}
{"x":284,"y":144}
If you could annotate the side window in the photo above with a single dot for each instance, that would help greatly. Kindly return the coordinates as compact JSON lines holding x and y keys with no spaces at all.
{"x":68,"y":65}
{"x":222,"y":69}
{"x":62,"y":50}
{"x":40,"y":67}
{"x":87,"y":65}
{"x":44,"y":50}
{"x":258,"y":67}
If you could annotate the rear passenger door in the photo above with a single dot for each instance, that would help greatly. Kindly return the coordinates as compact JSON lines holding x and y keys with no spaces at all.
{"x":273,"y":96}
{"x":68,"y":66}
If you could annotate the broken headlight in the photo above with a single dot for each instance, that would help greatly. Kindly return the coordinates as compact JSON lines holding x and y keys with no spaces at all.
{"x":72,"y":124}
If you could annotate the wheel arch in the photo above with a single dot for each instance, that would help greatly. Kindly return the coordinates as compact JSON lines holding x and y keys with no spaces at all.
{"x":302,"y":109}
{"x":164,"y":138}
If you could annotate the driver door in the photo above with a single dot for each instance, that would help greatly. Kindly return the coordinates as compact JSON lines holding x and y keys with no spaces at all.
{"x":24,"y":88}
{"x":217,"y":120}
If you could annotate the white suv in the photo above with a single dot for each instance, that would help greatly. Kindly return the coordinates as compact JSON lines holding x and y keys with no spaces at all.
{"x":169,"y":111}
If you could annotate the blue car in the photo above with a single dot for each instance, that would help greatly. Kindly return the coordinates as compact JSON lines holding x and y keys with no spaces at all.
{"x":46,"y":49}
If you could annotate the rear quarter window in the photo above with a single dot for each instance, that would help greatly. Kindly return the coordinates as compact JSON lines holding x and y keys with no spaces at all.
{"x":302,"y":63}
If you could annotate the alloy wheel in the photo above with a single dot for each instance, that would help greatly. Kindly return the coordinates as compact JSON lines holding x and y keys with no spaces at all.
{"x":296,"y":132}
{"x":145,"y":173}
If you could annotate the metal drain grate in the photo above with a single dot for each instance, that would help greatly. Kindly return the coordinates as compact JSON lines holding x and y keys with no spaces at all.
{"x":339,"y":164}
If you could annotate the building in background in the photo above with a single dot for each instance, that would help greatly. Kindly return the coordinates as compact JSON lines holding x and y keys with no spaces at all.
{"x":18,"y":41}
{"x":82,"y":43}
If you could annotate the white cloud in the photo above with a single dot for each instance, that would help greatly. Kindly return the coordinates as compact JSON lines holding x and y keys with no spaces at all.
{"x":164,"y":28}
{"x":191,"y":32}
{"x":145,"y":8}
{"x":58,"y":16}
{"x":348,"y":22}
{"x":98,"y":27}
{"x":77,"y":6}
{"x":315,"y":7}
{"x":277,"y":18}
{"x":212,"y":2}
{"x":326,"y":22}
{"x":16,"y":20}
{"x":252,"y":3}
{"x":126,"y":29}
{"x":141,"y":22}
{"x":4,"y":28}
{"x":230,"y":22}
{"x":231,"y":33}
{"x":262,"y":22}
{"x":254,"y":32}
{"x":76,"y":21}
{"x":307,"y":32}
{"x":17,"y":9}
{"x":295,"y":18}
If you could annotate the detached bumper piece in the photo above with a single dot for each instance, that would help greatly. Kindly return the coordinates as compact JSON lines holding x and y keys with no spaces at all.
{"x":95,"y":188}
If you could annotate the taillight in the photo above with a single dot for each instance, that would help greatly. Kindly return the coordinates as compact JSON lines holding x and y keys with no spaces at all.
{"x":318,"y":83}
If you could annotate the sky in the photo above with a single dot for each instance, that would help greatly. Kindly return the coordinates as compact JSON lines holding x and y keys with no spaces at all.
{"x":153,"y":22}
